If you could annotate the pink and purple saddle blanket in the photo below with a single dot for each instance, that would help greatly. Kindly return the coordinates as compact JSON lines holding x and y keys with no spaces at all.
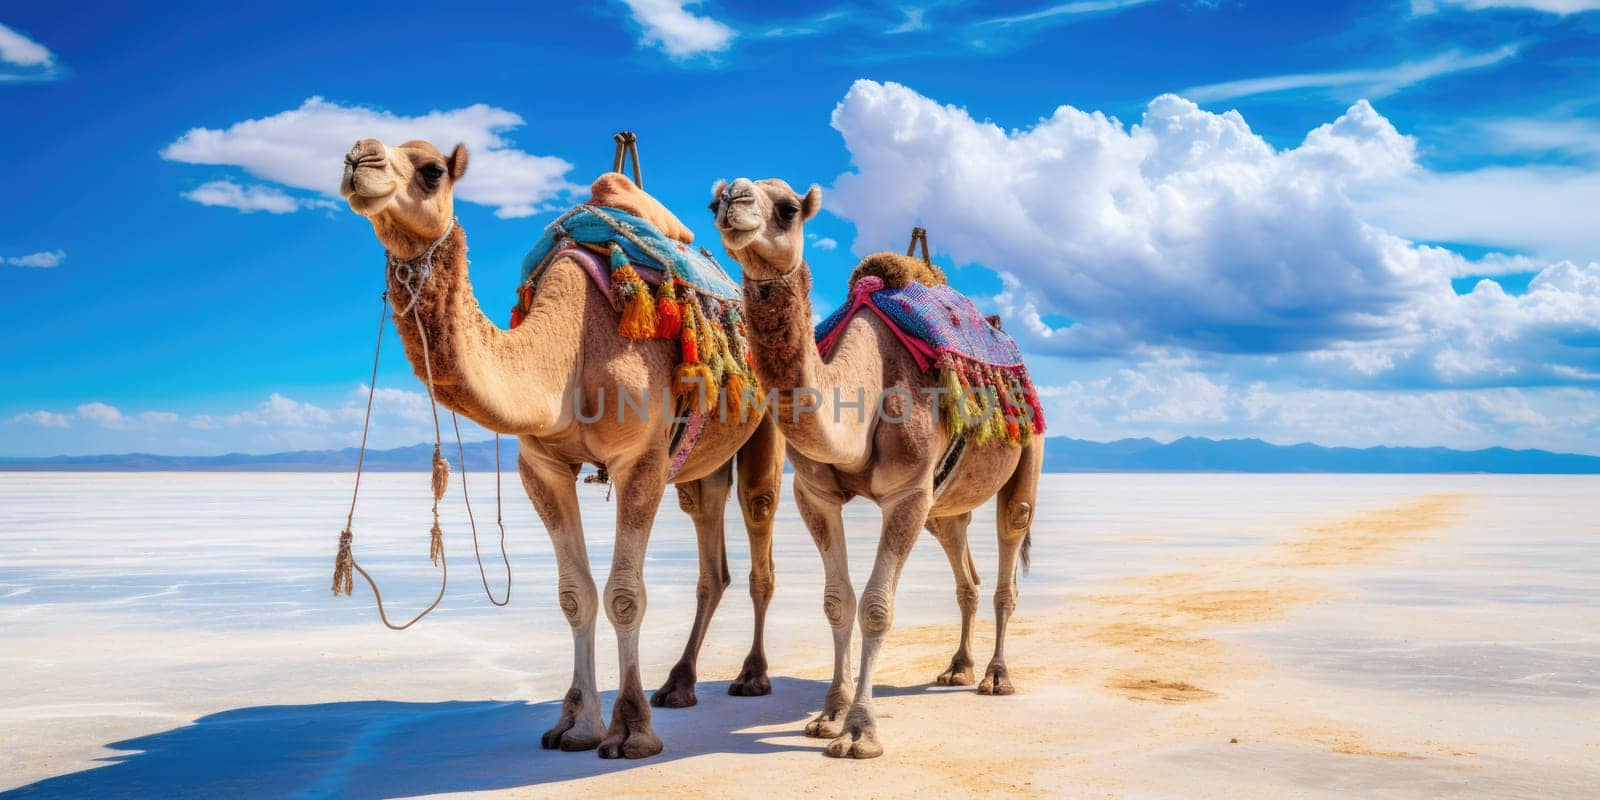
{"x":943,"y":330}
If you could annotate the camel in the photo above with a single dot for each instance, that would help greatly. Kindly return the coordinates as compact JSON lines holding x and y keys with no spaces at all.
{"x":522,"y":382}
{"x":838,"y":452}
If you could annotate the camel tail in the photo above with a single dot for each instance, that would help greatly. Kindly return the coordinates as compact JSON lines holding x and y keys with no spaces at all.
{"x":1027,"y":550}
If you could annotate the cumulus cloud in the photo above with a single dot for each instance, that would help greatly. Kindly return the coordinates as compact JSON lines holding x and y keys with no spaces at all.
{"x":251,"y":198}
{"x":24,"y":59}
{"x":302,"y":149}
{"x":1561,"y":7}
{"x":1364,"y":83}
{"x":400,"y":417}
{"x":679,"y":32}
{"x":1167,"y":402}
{"x":1189,"y":232}
{"x":45,"y":260}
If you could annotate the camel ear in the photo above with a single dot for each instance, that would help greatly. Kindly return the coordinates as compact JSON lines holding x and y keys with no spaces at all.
{"x":716,"y":194}
{"x":811,"y":203}
{"x":458,"y":162}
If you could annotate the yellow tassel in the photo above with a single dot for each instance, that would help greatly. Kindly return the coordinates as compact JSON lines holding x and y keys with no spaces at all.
{"x":639,"y":315}
{"x":686,"y":387}
{"x":950,"y":402}
{"x":734,"y":390}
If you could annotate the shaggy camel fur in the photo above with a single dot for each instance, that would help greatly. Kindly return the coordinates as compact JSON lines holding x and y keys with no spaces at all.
{"x":524,"y":382}
{"x":840,"y":451}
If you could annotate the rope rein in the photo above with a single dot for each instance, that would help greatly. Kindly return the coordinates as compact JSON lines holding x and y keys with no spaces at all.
{"x":412,"y":274}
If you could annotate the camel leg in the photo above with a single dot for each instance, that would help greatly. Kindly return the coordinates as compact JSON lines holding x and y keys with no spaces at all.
{"x":553,"y":489}
{"x":1013,"y":522}
{"x":705,"y":501}
{"x":903,"y":517}
{"x":952,"y":535}
{"x":760,"y":479}
{"x":822,"y":512}
{"x":639,"y":489}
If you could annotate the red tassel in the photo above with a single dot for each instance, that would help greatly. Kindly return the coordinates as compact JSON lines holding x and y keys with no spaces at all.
{"x":669,"y":318}
{"x":516,"y":315}
{"x":691,"y":349}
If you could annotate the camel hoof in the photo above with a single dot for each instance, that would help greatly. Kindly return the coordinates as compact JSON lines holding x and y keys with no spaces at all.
{"x":576,"y":729}
{"x":638,"y":744}
{"x":860,"y":742}
{"x":752,"y":680}
{"x":825,"y":726}
{"x":678,"y":691}
{"x":996,"y":681}
{"x":959,"y":673}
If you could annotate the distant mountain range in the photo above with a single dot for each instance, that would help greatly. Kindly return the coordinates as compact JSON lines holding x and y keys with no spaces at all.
{"x":1062,"y":454}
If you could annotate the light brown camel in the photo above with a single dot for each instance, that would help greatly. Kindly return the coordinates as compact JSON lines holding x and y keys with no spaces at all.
{"x":840,"y":450}
{"x":523,"y":382}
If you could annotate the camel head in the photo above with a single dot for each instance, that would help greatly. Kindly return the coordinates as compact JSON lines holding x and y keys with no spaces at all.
{"x":405,"y":191}
{"x":762,"y":224}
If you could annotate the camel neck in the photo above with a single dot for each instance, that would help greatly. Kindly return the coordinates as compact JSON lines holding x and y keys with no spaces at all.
{"x":782,"y":345}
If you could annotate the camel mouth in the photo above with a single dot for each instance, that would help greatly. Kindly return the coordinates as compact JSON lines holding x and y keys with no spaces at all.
{"x":367,"y":204}
{"x":738,"y":238}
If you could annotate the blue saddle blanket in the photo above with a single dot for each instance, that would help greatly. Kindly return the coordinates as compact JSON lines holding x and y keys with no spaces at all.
{"x":642,"y":242}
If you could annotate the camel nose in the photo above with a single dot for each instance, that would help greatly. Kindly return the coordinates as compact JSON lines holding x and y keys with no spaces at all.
{"x":364,"y":150}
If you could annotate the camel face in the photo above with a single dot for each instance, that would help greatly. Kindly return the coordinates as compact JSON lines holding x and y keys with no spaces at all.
{"x":762,"y":224}
{"x":404,"y":190}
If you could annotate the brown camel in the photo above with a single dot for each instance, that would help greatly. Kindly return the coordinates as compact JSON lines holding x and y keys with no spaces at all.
{"x":840,"y":450}
{"x":524,"y":382}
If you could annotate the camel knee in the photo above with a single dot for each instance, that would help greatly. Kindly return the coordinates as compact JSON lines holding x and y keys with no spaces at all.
{"x":710,"y":588}
{"x":762,"y":585}
{"x":1005,"y":599}
{"x":576,"y":601}
{"x":877,"y":612}
{"x":839,"y":604}
{"x":625,"y":601}
{"x":1019,"y":517}
{"x":759,"y":506}
{"x":967,"y":598}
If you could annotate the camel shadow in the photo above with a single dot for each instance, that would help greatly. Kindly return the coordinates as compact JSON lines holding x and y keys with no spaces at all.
{"x":382,"y":748}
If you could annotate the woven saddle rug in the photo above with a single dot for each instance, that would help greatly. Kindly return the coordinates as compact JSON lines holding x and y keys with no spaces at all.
{"x":663,"y":289}
{"x":987,"y":388}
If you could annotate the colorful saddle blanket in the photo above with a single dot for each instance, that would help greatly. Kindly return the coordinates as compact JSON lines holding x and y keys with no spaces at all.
{"x":640,"y":241}
{"x":943,"y":330}
{"x":663,"y":289}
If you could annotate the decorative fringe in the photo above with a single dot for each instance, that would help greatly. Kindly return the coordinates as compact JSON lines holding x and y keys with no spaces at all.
{"x":950,"y":402}
{"x":734,"y":390}
{"x":435,"y":543}
{"x":639,"y":308}
{"x":343,"y":565}
{"x":686,"y":387}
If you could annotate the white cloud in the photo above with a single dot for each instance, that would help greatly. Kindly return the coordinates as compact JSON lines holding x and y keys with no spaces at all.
{"x":1356,"y":83}
{"x":1190,"y":233}
{"x":44,"y":419}
{"x":25,"y":59}
{"x":100,"y":413}
{"x":302,"y":149}
{"x":1561,"y":7}
{"x":678,"y":31}
{"x":400,"y":417}
{"x":251,"y":198}
{"x":822,"y":242}
{"x":1530,"y":209}
{"x":1169,"y":402}
{"x":1064,"y":11}
{"x":915,"y":20}
{"x":45,"y":260}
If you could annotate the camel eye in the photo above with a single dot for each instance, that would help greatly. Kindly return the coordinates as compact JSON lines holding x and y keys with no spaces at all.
{"x":432,"y":173}
{"x":787,"y":210}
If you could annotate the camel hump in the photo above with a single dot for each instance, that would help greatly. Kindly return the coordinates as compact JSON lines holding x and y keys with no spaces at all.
{"x":615,"y":190}
{"x":897,"y":270}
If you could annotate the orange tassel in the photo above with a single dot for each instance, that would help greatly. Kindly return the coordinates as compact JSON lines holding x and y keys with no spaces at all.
{"x":691,"y":349}
{"x":639,"y":313}
{"x":669,"y":318}
{"x":516,"y":315}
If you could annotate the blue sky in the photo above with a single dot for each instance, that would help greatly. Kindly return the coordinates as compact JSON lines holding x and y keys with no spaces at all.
{"x":1355,"y":224}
